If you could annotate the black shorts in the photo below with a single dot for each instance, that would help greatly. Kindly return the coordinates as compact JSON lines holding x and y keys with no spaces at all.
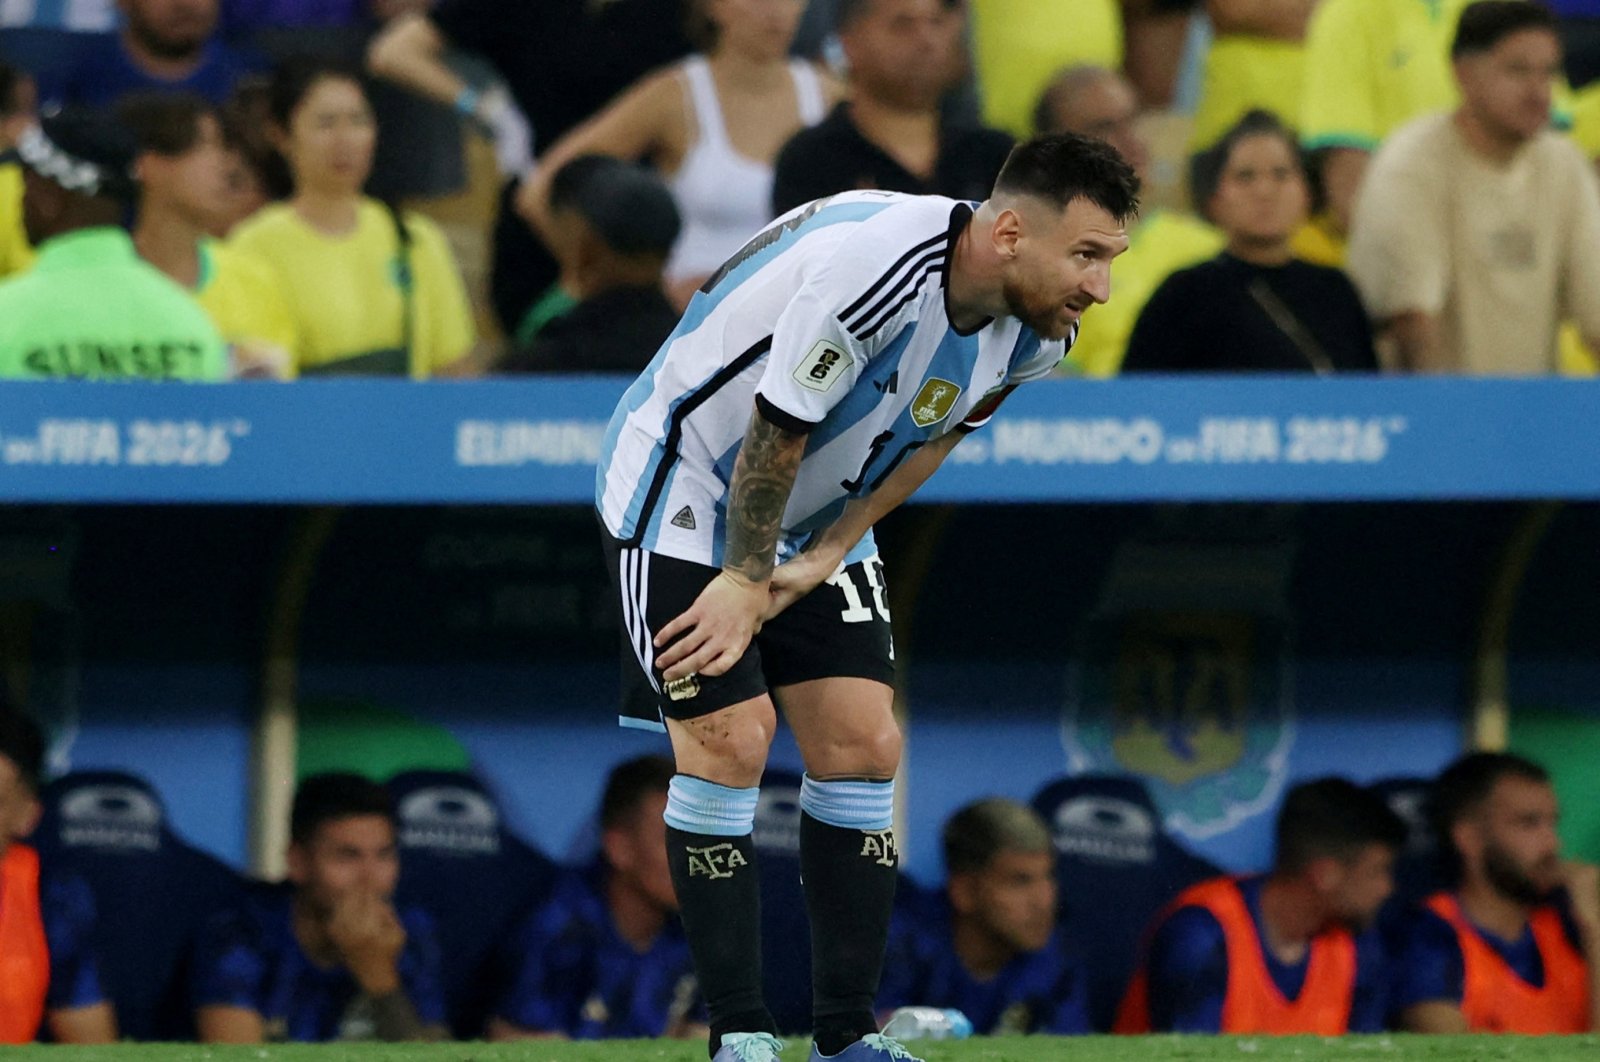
{"x":839,"y":630}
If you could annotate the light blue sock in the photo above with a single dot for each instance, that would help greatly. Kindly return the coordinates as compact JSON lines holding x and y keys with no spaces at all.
{"x":695,"y":805}
{"x":850,"y":805}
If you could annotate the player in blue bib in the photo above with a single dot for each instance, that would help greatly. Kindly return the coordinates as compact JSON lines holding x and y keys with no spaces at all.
{"x":814,"y":383}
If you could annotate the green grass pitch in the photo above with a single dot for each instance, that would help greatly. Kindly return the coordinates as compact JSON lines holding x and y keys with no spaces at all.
{"x":1392,"y":1048}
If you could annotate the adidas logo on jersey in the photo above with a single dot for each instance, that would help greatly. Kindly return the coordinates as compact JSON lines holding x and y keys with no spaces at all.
{"x":684,"y":519}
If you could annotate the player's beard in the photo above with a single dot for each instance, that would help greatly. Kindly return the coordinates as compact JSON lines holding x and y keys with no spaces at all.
{"x":1039,"y":312}
{"x":1510,"y":879}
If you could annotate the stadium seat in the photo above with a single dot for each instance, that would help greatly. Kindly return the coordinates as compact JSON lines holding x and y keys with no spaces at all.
{"x":459,"y":863}
{"x":1418,"y":871}
{"x":153,"y":892}
{"x":1117,"y":867}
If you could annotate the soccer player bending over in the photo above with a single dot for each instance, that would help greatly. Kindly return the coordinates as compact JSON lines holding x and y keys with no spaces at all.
{"x":1514,"y":946}
{"x":1289,"y":952}
{"x":814,"y":383}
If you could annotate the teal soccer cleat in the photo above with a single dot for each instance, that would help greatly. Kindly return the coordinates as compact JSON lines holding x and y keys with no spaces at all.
{"x":748,"y":1047}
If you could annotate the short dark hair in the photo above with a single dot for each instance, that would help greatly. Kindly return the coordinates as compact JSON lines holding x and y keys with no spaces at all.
{"x":294,"y":79}
{"x":1333,"y":817}
{"x":1061,"y":167}
{"x":1207,"y":167}
{"x":325,"y":798}
{"x":22,"y":742}
{"x":974,"y":835}
{"x":1465,"y":784}
{"x":1485,"y":24}
{"x":165,"y":123}
{"x":629,"y":783}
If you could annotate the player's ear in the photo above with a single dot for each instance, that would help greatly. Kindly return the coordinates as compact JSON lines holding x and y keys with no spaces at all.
{"x":1007,"y":232}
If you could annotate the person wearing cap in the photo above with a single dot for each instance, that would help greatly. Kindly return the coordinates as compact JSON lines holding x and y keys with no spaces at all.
{"x":612,"y":227}
{"x":48,"y":971}
{"x":90,"y":308}
{"x":184,"y":194}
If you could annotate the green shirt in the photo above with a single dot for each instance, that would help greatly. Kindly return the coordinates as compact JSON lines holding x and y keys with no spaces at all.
{"x":90,"y":308}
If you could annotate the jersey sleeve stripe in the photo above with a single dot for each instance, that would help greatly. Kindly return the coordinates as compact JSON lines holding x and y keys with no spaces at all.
{"x":891,"y":273}
{"x":681,"y":413}
{"x":914,"y":292}
{"x":913,"y":277}
{"x":783,"y":418}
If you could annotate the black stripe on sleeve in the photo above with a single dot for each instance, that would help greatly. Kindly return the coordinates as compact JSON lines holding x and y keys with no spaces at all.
{"x":919,"y":271}
{"x":658,"y":482}
{"x":889,"y":274}
{"x":913,"y":293}
{"x":787,"y":421}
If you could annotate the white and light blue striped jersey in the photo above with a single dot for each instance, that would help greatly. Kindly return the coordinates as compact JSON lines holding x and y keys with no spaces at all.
{"x":834,"y":322}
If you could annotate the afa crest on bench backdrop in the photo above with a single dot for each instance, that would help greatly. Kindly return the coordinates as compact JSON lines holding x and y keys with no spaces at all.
{"x":1183,"y":677}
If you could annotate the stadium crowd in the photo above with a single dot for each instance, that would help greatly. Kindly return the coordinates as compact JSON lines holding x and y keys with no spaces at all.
{"x":409,"y":912}
{"x":318,"y":179}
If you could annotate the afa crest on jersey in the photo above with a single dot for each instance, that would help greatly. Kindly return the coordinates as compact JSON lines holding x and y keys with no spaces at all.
{"x":1182,"y":677}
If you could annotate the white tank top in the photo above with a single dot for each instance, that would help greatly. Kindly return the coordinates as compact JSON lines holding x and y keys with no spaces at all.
{"x":725,"y":197}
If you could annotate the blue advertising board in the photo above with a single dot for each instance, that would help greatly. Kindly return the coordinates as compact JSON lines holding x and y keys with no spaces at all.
{"x":537,"y":442}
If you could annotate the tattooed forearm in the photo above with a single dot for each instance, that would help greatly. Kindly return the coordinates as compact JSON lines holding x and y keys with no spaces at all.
{"x":763,"y":476}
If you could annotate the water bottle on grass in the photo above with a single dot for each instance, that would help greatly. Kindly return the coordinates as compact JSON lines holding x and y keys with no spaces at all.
{"x":927,"y":1023}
